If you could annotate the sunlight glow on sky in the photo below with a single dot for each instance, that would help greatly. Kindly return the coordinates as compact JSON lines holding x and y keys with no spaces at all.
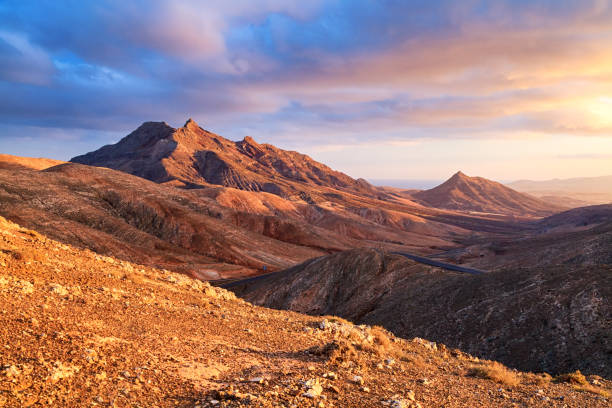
{"x":383,"y":90}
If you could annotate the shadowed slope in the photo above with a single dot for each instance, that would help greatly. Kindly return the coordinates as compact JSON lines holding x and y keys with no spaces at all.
{"x":524,"y":318}
{"x":581,"y":236}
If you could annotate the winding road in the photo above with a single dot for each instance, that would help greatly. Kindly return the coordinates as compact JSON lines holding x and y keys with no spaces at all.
{"x":443,"y":265}
{"x":416,"y":258}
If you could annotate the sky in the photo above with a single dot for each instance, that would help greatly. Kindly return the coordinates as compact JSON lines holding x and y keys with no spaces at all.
{"x":387,"y":89}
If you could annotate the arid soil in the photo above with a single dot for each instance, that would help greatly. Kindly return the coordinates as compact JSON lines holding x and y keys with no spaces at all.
{"x":81,"y":330}
{"x":553,"y":319}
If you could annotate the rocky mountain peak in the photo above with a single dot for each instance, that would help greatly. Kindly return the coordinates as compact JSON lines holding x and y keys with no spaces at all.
{"x":191,"y":124}
{"x":459,"y":176}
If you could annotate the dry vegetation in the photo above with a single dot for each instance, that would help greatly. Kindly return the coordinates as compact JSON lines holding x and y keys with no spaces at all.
{"x":495,"y":371}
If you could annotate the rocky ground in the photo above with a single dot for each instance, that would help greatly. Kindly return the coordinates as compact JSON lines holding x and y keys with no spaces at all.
{"x":79,"y":329}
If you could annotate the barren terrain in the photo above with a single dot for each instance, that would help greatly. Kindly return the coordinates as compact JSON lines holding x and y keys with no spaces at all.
{"x":80,"y":330}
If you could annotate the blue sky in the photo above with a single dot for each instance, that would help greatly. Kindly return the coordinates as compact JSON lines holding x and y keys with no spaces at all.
{"x":379,"y":89}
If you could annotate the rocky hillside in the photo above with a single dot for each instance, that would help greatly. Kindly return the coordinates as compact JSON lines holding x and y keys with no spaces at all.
{"x":191,"y":156}
{"x":133,"y":219}
{"x":478,"y":194}
{"x":80,"y":330}
{"x":554,"y":319}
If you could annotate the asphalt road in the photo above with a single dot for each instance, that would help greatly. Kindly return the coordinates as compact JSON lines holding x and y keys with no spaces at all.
{"x":444,"y":265}
{"x":416,"y":258}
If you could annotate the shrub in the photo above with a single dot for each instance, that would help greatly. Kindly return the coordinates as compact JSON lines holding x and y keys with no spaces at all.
{"x":576,"y":378}
{"x":496,"y":372}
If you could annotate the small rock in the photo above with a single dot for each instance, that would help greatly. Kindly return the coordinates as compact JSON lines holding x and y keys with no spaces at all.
{"x":12,"y":371}
{"x":410,"y":395}
{"x":331,"y":375}
{"x":333,"y":388}
{"x":258,"y":380}
{"x":358,"y":380}
{"x":58,"y":289}
{"x":313,"y":388}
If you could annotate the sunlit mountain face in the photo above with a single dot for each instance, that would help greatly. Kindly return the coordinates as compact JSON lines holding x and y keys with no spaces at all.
{"x":386,"y":90}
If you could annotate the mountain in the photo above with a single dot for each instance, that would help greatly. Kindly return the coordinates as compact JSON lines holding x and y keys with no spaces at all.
{"x":552,"y":319}
{"x":477,"y":194}
{"x":79,"y":329}
{"x":191,"y":156}
{"x":583,"y":190}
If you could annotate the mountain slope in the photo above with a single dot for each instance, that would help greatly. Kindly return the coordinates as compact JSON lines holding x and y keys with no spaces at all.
{"x":525,"y":318}
{"x":81,"y":330}
{"x":219,"y":232}
{"x":121,"y":215}
{"x":465,"y":193}
{"x":192,"y":156}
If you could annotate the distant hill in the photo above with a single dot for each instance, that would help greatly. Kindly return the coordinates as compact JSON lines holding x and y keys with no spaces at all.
{"x":9,"y":162}
{"x":478,"y":194}
{"x":191,"y":156}
{"x":585,"y":190}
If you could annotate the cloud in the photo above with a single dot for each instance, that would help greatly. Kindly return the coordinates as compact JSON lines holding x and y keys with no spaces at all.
{"x":309,"y":72}
{"x":23,"y":62}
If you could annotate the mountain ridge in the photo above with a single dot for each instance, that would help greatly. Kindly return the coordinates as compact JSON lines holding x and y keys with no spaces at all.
{"x":191,"y":156}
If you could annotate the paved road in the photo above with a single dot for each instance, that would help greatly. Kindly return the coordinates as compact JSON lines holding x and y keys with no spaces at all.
{"x":444,"y":265}
{"x":416,"y":258}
